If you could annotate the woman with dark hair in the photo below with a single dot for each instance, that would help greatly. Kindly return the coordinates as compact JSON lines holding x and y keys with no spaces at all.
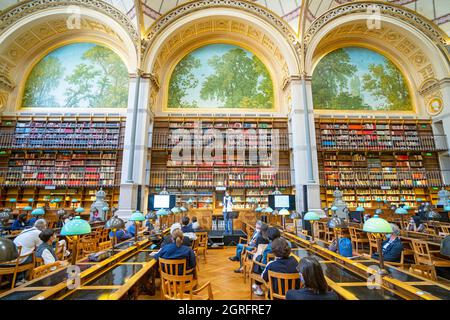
{"x":176,"y":250}
{"x":283,"y":263}
{"x":314,"y":284}
{"x":20,"y":223}
{"x":415,"y":224}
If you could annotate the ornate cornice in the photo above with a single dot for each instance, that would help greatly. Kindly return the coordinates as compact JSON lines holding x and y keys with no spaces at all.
{"x":406,"y":15}
{"x":253,"y":8}
{"x":6,"y":83}
{"x":9,"y":17}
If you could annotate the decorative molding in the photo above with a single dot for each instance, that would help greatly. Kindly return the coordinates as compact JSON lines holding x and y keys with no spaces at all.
{"x":11,"y":16}
{"x":190,"y":7}
{"x":363,"y":7}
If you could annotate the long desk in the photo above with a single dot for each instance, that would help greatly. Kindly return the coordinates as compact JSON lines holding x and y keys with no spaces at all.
{"x":350,"y":277}
{"x":110,"y":279}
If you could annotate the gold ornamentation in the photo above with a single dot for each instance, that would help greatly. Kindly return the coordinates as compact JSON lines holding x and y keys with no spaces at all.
{"x":363,"y":7}
{"x":435,"y":105}
{"x":193,"y":6}
{"x":11,"y":16}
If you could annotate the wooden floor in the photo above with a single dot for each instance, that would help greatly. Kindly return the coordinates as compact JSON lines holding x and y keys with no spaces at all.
{"x":226,"y":284}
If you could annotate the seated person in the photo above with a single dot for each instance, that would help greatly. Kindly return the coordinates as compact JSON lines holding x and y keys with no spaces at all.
{"x":121,"y":235}
{"x":314,"y":284}
{"x":149,"y":225}
{"x":45,"y":249}
{"x":272,"y":234}
{"x":29,"y":239}
{"x":195,"y":224}
{"x":131,"y":228}
{"x":68,"y":217}
{"x":20,"y":223}
{"x":30,"y":223}
{"x":392,"y":247}
{"x":169,"y":239}
{"x":252,"y":242}
{"x":186,"y":226}
{"x":283,"y":263}
{"x":176,"y":250}
{"x":415,"y":224}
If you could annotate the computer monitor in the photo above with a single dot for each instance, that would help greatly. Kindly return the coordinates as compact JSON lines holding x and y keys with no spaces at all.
{"x":161,"y":201}
{"x":282,"y":201}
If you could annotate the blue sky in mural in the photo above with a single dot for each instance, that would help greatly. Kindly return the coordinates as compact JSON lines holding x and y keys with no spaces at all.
{"x":78,"y":75}
{"x":362,"y":58}
{"x":70,"y":55}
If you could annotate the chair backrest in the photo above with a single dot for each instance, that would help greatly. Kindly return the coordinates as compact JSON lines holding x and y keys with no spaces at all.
{"x":422,"y":253}
{"x":425,"y":271}
{"x":445,"y":229}
{"x":176,"y":287}
{"x":44,"y":269}
{"x":172,"y":266}
{"x":88,"y":246}
{"x":202,"y":238}
{"x":353,"y":233}
{"x":39,"y":262}
{"x":372,"y":239}
{"x":103,"y":245}
{"x":280,"y":283}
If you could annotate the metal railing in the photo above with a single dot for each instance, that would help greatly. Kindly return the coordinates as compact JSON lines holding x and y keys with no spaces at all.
{"x":399,"y":178}
{"x":59,"y":177}
{"x":275,"y":140}
{"x":209,"y":179}
{"x":61,"y":141}
{"x":383,"y":142}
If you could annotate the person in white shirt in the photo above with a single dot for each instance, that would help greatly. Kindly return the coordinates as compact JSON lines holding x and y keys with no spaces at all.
{"x":29,"y":239}
{"x":195,"y":224}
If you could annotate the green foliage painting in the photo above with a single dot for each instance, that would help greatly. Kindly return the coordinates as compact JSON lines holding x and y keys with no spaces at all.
{"x":220,"y":76}
{"x":356,"y":78}
{"x":79,"y":75}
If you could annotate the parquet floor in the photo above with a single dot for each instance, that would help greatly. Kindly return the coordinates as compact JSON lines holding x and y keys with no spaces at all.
{"x":226,"y":284}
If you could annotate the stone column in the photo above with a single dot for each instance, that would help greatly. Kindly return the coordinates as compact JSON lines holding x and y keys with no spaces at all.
{"x":304,"y":155}
{"x":135,"y":144}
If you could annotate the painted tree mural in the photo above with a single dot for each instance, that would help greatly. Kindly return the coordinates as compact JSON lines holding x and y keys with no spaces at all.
{"x":359,"y":79}
{"x":92,"y":77}
{"x":220,"y":76}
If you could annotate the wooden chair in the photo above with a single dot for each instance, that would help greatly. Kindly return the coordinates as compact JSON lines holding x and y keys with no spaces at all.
{"x":202,"y":243}
{"x":329,"y":234}
{"x":181,"y":287}
{"x":372,"y":243}
{"x":88,"y":246}
{"x":39,"y":262}
{"x":15,"y":266}
{"x":256,"y":276}
{"x":400,"y":264}
{"x":44,"y":269}
{"x":425,"y":271}
{"x":423,"y":256}
{"x":444,"y":229}
{"x":284,"y":282}
{"x":246,"y":258}
{"x":320,"y":232}
{"x":173,"y":267}
{"x":102,"y":246}
{"x":357,"y":237}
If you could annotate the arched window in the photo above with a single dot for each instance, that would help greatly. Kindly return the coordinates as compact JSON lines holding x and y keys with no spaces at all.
{"x":78,"y":75}
{"x":354,"y":78}
{"x":220,"y":76}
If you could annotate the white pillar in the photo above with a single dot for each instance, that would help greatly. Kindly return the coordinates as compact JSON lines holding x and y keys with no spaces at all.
{"x":441,"y":126}
{"x":304,"y":155}
{"x":135,"y":152}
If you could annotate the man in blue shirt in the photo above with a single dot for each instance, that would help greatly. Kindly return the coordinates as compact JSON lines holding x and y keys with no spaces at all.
{"x":186,"y":228}
{"x":20,"y":222}
{"x":121,"y":235}
{"x":392,"y":247}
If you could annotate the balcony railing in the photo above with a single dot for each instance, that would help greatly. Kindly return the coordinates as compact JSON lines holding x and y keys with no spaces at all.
{"x":365,"y":178}
{"x":277,"y":141}
{"x":383,"y":142}
{"x":209,"y":179}
{"x":63,"y":177}
{"x":60,"y":141}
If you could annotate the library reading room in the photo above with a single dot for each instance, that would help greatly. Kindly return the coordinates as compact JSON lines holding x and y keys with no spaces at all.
{"x":224,"y":150}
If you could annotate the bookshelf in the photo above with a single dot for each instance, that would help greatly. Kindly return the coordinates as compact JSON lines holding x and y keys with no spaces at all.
{"x":198,"y":180}
{"x":60,"y":157}
{"x":378,"y":159}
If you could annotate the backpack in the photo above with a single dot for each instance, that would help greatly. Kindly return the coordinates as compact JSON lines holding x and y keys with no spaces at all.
{"x":345,"y":247}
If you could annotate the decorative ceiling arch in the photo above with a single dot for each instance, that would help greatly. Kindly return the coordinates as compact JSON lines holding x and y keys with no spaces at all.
{"x":404,"y":14}
{"x":12,"y":15}
{"x":253,"y":8}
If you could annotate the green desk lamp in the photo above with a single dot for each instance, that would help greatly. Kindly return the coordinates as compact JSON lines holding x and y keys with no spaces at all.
{"x":401,"y":211}
{"x":283,"y":213}
{"x":378,"y":227}
{"x":311,"y":216}
{"x":75,"y":228}
{"x":137,"y":216}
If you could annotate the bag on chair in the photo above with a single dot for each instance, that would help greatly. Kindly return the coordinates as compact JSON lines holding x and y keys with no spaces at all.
{"x":345,"y":247}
